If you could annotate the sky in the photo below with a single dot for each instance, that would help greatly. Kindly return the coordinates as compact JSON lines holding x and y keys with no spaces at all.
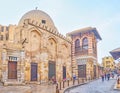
{"x":70,"y":15}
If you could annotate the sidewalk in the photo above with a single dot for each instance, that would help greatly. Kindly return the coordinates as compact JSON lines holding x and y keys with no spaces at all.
{"x":42,"y":88}
{"x":30,"y":88}
{"x":15,"y":89}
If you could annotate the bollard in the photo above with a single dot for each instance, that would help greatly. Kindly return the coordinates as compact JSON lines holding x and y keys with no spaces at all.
{"x":118,"y":81}
{"x":68,"y":82}
{"x":57,"y":90}
{"x":63,"y":84}
{"x":82,"y":80}
{"x":78,"y":81}
{"x":73,"y":81}
{"x":60,"y":85}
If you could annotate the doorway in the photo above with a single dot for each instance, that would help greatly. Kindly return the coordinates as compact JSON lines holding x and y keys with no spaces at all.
{"x":64,"y":72}
{"x":81,"y":71}
{"x":12,"y":70}
{"x":33,"y":71}
{"x":52,"y":70}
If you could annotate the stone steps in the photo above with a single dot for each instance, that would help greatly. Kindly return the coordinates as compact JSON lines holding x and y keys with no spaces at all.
{"x":10,"y":83}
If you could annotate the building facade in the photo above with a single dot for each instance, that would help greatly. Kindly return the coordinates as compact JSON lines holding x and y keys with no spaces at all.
{"x":108,"y":63}
{"x":84,"y":52}
{"x":34,"y":51}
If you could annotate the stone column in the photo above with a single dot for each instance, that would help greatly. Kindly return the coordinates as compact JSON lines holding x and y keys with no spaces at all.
{"x":22,"y":66}
{"x":44,"y":66}
{"x":59,"y":69}
{"x":4,"y":66}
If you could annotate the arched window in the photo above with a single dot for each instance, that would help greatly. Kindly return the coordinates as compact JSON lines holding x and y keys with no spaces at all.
{"x":77,"y":45}
{"x":85,"y":43}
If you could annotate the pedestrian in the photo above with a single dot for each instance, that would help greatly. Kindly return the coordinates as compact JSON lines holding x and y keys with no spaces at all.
{"x":112,"y":75}
{"x":53,"y":79}
{"x":105,"y":76}
{"x":108,"y":76}
{"x":74,"y":77}
{"x":102,"y":76}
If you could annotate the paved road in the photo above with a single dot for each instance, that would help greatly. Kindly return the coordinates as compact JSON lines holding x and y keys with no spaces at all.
{"x":96,"y":86}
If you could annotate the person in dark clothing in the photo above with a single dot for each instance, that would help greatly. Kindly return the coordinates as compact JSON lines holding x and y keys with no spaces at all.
{"x":105,"y":76}
{"x":108,"y":76}
{"x":102,"y":76}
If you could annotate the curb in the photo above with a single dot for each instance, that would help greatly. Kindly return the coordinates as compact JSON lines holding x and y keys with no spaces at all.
{"x":76,"y":86}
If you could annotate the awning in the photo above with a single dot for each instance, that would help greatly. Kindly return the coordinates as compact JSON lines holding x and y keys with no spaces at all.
{"x":115,"y":53}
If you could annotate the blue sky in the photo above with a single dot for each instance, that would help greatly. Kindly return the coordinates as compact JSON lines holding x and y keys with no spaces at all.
{"x":69,"y":15}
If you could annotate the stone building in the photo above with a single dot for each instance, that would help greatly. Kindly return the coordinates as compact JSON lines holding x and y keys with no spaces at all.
{"x":108,"y":63}
{"x":84,"y":52}
{"x":33,"y":51}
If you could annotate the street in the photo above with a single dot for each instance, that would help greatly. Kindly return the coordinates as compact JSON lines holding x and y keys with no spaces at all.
{"x":96,"y":86}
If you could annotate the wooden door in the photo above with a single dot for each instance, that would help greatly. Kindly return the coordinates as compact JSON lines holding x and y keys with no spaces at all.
{"x":82,"y":71}
{"x":33,"y":71}
{"x":12,"y":70}
{"x":52,"y":70}
{"x":95,"y":71}
{"x":64,"y":72}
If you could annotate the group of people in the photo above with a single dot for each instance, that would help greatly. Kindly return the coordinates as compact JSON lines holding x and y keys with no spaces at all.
{"x":106,"y":76}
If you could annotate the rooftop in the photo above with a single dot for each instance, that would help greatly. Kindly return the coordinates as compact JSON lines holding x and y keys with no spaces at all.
{"x":87,"y":29}
{"x":115,"y":53}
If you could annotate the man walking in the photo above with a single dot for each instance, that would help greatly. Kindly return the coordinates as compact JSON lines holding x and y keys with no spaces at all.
{"x":102,"y":76}
{"x":108,"y":76}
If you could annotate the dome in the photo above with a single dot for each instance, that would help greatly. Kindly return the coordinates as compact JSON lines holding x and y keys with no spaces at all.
{"x":38,"y":16}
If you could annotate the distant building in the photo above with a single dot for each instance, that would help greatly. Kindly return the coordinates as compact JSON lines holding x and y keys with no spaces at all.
{"x":108,"y":63}
{"x":84,"y":52}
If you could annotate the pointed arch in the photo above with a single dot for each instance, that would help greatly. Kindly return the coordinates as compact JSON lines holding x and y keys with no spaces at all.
{"x":33,"y":38}
{"x":52,"y":47}
{"x":52,"y":37}
{"x":35,"y":29}
{"x":64,"y":50}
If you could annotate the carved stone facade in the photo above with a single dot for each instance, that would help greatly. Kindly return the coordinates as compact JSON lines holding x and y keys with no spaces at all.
{"x":84,"y":52}
{"x":34,"y":51}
